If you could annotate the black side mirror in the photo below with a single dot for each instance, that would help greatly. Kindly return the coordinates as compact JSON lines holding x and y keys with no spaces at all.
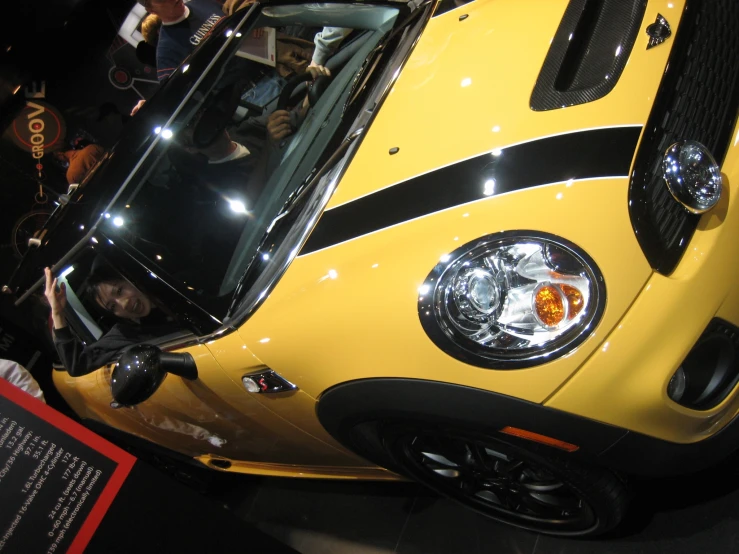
{"x":142,"y":368}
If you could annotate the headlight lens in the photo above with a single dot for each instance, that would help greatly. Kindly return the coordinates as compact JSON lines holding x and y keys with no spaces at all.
{"x":512,"y":300}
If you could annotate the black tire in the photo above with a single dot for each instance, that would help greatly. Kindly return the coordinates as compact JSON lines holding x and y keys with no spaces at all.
{"x":546,"y":494}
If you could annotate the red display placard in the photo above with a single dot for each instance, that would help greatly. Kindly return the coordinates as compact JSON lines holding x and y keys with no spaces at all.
{"x":57,"y":478}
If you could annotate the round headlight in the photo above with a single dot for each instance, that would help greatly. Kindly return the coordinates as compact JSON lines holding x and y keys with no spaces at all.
{"x":692,"y":176}
{"x":512,"y":300}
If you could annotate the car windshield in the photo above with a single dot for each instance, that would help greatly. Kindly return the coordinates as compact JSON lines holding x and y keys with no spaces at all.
{"x":253,"y":127}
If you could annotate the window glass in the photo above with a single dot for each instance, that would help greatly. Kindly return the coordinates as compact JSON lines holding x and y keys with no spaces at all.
{"x":196,"y":214}
{"x":100,"y":297}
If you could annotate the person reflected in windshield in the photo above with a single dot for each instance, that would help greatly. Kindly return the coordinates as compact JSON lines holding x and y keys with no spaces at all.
{"x":238,"y":153}
{"x":138,"y":318}
{"x":283,"y":123}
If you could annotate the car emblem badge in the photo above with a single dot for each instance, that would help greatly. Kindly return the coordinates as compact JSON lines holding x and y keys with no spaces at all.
{"x":658,"y":32}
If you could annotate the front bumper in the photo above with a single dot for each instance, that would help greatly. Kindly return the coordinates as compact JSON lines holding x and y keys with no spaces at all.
{"x":624,"y":382}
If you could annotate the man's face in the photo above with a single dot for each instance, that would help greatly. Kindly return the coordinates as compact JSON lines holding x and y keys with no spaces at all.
{"x":124,"y":300}
{"x":168,"y":10}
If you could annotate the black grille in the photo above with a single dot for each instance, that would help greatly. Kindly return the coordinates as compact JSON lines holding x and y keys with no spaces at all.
{"x":697,"y":100}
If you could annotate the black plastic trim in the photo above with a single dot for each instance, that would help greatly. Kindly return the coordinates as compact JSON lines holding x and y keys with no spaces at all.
{"x":716,"y":376}
{"x":677,"y":114}
{"x":347,"y":408}
{"x":348,"y":405}
{"x":468,"y":351}
{"x":582,"y":65}
{"x":587,"y":154}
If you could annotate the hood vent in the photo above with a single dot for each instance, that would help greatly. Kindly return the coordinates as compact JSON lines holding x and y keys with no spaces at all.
{"x":588,"y":53}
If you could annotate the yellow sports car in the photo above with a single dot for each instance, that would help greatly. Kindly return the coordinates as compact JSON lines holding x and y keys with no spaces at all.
{"x":488,"y":245}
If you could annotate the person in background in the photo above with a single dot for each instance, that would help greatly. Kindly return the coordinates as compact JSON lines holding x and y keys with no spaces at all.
{"x":150,"y":27}
{"x":177,"y":30}
{"x":79,"y":162}
{"x":327,"y":41}
{"x":19,"y":376}
{"x":139,"y":319}
{"x":183,"y":27}
{"x":146,"y":50}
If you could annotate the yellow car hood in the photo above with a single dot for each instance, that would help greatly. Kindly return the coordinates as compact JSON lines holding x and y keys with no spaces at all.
{"x":347,"y":308}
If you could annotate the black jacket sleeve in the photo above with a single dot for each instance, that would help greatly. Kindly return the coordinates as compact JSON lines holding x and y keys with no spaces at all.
{"x":80,"y":359}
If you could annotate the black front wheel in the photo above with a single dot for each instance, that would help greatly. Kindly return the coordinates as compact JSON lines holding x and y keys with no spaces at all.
{"x":507,"y":483}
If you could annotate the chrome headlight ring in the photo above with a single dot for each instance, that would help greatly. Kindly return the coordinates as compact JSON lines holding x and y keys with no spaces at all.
{"x":512,"y":300}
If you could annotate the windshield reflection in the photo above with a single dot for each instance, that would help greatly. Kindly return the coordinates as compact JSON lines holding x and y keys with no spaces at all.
{"x":248,"y":144}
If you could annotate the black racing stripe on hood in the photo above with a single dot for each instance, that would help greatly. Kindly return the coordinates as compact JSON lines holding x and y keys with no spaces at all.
{"x":581,"y":155}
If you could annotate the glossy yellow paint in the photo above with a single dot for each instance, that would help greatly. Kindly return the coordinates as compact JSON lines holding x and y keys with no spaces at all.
{"x":350,"y":311}
{"x":295,"y":408}
{"x":624,"y":382}
{"x":466,"y":89}
{"x":209,"y":416}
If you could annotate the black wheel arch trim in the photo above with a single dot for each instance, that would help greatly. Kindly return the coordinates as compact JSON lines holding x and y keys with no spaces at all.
{"x":345,"y":407}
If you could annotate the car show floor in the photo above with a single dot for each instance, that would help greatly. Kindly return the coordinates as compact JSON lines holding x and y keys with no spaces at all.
{"x":687,"y":515}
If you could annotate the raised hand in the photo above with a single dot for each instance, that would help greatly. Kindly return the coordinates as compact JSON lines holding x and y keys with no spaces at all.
{"x":56,"y":294}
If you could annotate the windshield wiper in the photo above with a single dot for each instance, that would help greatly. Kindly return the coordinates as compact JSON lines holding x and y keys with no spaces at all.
{"x":256,"y":265}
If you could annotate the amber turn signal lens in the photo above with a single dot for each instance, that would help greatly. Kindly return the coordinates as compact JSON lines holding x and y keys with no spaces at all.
{"x":549,"y":305}
{"x":575,"y":302}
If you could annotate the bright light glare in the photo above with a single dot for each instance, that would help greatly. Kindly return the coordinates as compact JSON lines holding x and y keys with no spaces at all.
{"x":423,"y":289}
{"x":265,"y":257}
{"x":332,"y":273}
{"x":229,"y":33}
{"x":489,"y":187}
{"x":158,"y":257}
{"x":118,"y":221}
{"x":107,"y":216}
{"x":496,"y":129}
{"x":167,"y":134}
{"x":264,"y":340}
{"x":185,"y":67}
{"x":466,"y":82}
{"x":157,"y":130}
{"x":497,"y":152}
{"x":67,"y":271}
{"x":237,"y":206}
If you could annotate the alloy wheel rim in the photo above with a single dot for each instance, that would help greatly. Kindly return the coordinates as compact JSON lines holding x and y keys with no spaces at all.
{"x":496,"y":480}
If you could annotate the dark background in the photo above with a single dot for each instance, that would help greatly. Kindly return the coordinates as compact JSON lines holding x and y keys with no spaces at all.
{"x":74,"y":47}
